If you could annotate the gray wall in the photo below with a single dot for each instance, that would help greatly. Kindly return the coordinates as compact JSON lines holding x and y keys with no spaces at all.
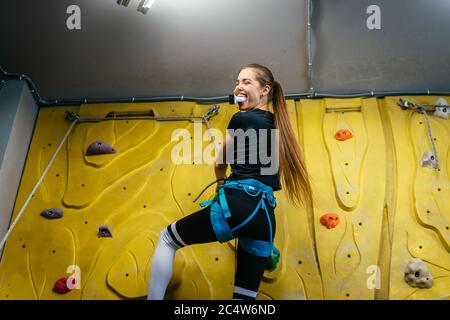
{"x":18,"y":113}
{"x":10,"y":97}
{"x":194,"y":47}
{"x":180,"y":47}
{"x":411,"y":51}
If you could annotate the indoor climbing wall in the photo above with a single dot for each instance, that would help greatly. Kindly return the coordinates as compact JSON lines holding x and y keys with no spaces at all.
{"x":114,"y":205}
{"x":97,"y":217}
{"x":344,"y":147}
{"x":420,"y":211}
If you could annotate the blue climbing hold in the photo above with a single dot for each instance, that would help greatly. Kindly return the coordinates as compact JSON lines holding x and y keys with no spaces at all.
{"x":99,"y":147}
{"x":103,"y":232}
{"x":53,"y":213}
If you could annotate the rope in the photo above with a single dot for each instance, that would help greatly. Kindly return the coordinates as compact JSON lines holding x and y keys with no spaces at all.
{"x":430,"y":135}
{"x":206,"y":188}
{"x":405,"y":104}
{"x":36,"y":186}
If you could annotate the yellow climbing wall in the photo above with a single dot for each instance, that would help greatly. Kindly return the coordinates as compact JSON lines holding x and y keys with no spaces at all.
{"x":391,"y":209}
{"x":420,"y":208}
{"x":348,"y":179}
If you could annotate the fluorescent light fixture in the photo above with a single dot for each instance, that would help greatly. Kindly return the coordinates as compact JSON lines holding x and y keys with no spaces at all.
{"x":148,"y":3}
{"x":124,"y":3}
{"x":145,"y":5}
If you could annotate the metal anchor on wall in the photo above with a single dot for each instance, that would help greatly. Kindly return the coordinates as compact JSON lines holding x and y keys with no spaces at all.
{"x":429,"y":159}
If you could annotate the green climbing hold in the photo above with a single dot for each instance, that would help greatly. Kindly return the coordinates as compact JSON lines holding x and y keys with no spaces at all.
{"x":274,"y":259}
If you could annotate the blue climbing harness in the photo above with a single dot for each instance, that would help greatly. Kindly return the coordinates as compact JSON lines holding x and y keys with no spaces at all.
{"x":220,"y":211}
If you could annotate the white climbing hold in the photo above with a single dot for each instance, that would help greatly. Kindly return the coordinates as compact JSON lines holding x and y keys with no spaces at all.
{"x":442,"y":109}
{"x":417,"y":275}
{"x":428,"y":160}
{"x":441,"y":102}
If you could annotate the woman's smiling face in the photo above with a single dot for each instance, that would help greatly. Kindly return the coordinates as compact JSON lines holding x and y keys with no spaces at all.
{"x":248,"y":86}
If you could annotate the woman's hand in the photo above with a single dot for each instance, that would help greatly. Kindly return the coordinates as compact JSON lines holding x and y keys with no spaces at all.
{"x":220,"y":167}
{"x":220,"y":170}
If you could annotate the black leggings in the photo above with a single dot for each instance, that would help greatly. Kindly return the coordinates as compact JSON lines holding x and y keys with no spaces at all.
{"x":196,"y":228}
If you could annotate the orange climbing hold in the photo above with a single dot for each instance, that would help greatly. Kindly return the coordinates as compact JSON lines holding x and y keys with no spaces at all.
{"x":330,"y":220}
{"x":343,"y":134}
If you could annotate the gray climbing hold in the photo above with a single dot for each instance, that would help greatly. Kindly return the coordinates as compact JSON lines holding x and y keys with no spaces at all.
{"x":428,"y":160}
{"x":103,"y":232}
{"x":99,"y":147}
{"x":53,"y":213}
{"x":442,"y":109}
{"x":417,"y":275}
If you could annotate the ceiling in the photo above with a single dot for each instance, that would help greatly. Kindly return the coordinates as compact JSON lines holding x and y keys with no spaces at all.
{"x":195,"y":47}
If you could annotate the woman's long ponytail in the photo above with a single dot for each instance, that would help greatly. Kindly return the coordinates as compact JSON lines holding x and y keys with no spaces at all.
{"x":292,"y":165}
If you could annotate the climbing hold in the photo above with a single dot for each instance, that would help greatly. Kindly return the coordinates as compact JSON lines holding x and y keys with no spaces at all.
{"x":103,"y":232}
{"x":442,"y":109}
{"x":442,"y":112}
{"x":428,"y":160}
{"x":53,"y":213}
{"x":330,"y":220}
{"x":99,"y":147}
{"x":417,"y":275}
{"x":274,"y":259}
{"x":343,"y":135}
{"x":61,"y":285}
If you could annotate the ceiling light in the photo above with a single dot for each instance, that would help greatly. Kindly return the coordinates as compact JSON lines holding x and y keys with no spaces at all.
{"x":145,"y":5}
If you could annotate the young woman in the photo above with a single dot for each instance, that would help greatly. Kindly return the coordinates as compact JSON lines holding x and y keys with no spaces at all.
{"x":244,"y":204}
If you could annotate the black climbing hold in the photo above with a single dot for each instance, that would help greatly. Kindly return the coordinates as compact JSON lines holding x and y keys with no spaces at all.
{"x":99,"y":147}
{"x":53,"y":213}
{"x":103,"y":232}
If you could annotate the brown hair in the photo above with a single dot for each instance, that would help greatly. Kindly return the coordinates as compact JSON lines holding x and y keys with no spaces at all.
{"x":292,"y":166}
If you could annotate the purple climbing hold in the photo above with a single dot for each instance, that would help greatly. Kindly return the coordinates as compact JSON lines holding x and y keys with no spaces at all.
{"x":53,"y":213}
{"x":103,"y":232}
{"x":99,"y":147}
